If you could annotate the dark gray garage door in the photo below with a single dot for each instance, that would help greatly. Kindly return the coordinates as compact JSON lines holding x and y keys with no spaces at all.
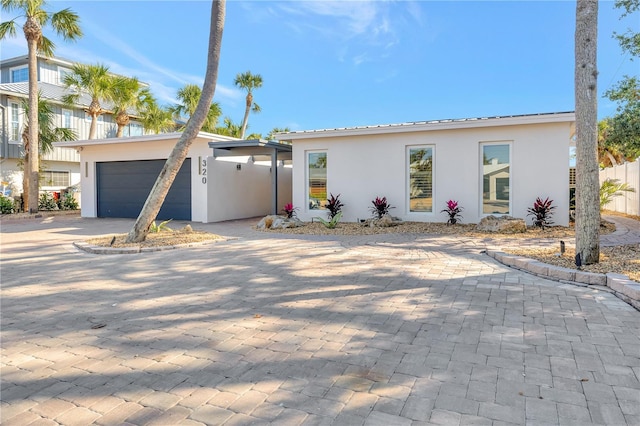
{"x":123,"y":187}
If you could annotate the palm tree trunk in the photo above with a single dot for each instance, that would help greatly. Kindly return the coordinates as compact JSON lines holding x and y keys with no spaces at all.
{"x":31,"y":168}
{"x":587,"y":225}
{"x":245,"y":119}
{"x":168,"y":173}
{"x":93,"y":129}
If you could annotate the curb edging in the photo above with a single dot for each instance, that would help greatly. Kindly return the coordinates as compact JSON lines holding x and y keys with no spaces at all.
{"x":620,"y":285}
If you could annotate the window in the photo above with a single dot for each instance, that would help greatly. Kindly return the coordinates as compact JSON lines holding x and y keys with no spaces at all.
{"x":62,"y":72}
{"x":496,"y":178}
{"x":133,"y":129}
{"x":54,"y":178}
{"x":87,"y":117}
{"x":14,"y":137}
{"x":420,"y":179}
{"x":317,"y":180}
{"x":19,"y":74}
{"x":66,"y":118}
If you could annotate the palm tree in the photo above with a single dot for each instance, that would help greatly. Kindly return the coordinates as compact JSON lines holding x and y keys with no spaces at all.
{"x":272,"y":134}
{"x":586,"y":94}
{"x":248,"y":82}
{"x":229,"y":128}
{"x":156,"y":118}
{"x":189,"y":96}
{"x":167,"y":175}
{"x":66,"y":24}
{"x":48,"y":133}
{"x":128,"y":94}
{"x":94,"y":80}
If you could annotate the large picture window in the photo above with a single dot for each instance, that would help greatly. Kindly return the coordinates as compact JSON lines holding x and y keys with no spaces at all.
{"x":420,"y":179}
{"x":19,"y":75}
{"x":496,"y":178}
{"x":317,"y":180}
{"x":54,"y":178}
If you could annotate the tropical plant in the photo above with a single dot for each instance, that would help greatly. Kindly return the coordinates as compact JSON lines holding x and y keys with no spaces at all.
{"x":612,"y":188}
{"x":162,"y":227}
{"x":94,"y":80}
{"x":47,"y":202}
{"x":248,"y":82}
{"x":380,"y":207}
{"x":7,"y":205}
{"x":176,"y":158}
{"x":65,"y":24}
{"x":272,"y":134}
{"x":229,"y":128}
{"x":68,"y":202}
{"x":128,"y":94}
{"x":189,"y":95}
{"x":586,"y":130}
{"x":334,"y":205}
{"x":289,"y":210}
{"x":157,"y":119}
{"x":541,"y":211}
{"x":453,"y":210}
{"x":333,"y":222}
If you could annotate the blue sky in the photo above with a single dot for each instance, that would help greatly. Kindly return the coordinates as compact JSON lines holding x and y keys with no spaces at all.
{"x":353,"y":63}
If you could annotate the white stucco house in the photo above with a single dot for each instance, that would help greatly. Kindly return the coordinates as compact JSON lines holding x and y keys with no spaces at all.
{"x":490,"y":166}
{"x":223,"y":178}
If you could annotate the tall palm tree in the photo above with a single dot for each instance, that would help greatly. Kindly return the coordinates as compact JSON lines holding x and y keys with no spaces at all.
{"x":66,"y":24}
{"x":189,"y":96}
{"x":156,"y":118}
{"x":128,"y":94}
{"x":48,"y":133}
{"x":167,"y":175}
{"x":248,"y":82}
{"x":94,"y":80}
{"x":586,"y":95}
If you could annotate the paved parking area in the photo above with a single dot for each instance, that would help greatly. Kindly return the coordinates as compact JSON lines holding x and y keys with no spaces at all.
{"x":274,"y":329}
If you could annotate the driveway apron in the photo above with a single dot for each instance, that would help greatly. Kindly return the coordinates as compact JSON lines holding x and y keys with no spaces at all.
{"x":267,"y":328}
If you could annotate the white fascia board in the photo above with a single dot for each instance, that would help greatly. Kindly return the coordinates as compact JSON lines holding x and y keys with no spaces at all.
{"x":568,"y":117}
{"x":145,"y":138}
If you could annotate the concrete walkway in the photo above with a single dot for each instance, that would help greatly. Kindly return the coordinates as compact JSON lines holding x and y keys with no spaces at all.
{"x":277,"y":329}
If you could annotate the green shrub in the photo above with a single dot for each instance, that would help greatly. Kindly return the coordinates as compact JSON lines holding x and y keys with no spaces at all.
{"x":68,"y":202}
{"x":331,"y":223}
{"x":159,"y":228}
{"x":7,"y":205}
{"x":47,"y":202}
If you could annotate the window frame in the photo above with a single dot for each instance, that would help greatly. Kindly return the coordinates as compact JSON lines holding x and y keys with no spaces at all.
{"x":408,"y":150}
{"x":308,"y":179}
{"x":45,"y":173}
{"x":509,"y":144}
{"x":20,"y":68}
{"x":63,"y":118}
{"x":15,"y":107}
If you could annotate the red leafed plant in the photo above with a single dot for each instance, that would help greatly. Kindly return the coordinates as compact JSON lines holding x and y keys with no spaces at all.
{"x":541,"y":211}
{"x":289,"y":210}
{"x":453,"y":210}
{"x":380,"y":207}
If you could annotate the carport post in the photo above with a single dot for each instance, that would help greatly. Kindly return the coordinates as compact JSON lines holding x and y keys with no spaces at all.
{"x":274,"y":181}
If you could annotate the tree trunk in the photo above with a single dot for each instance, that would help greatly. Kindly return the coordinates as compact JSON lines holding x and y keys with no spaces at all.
{"x":168,"y":173}
{"x":32,"y":32}
{"x":245,"y":119}
{"x":587,"y":226}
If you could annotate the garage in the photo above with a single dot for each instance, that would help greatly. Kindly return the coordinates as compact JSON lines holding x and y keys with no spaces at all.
{"x":123,"y":186}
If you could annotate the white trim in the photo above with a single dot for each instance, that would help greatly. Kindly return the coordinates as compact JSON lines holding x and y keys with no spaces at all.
{"x":63,"y":117}
{"x":307,"y":197}
{"x":15,"y":106}
{"x":407,"y":188}
{"x":145,"y":138}
{"x":481,"y":145}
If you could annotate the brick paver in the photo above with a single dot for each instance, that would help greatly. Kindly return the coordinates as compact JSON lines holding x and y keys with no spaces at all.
{"x":266,"y":328}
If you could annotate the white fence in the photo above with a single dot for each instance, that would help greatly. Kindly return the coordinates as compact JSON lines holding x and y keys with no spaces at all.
{"x":629,"y":202}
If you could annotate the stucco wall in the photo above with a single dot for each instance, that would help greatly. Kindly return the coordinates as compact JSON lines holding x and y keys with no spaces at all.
{"x":246,"y":192}
{"x":362,"y":167}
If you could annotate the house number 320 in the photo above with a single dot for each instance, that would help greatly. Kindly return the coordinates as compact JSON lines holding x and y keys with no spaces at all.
{"x":203,"y":170}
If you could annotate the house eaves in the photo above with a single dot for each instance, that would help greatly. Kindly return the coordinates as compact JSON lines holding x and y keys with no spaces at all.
{"x":210,"y":137}
{"x":422,"y":126}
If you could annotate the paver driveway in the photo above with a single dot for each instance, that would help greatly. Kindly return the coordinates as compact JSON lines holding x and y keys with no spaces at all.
{"x":376,"y":330}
